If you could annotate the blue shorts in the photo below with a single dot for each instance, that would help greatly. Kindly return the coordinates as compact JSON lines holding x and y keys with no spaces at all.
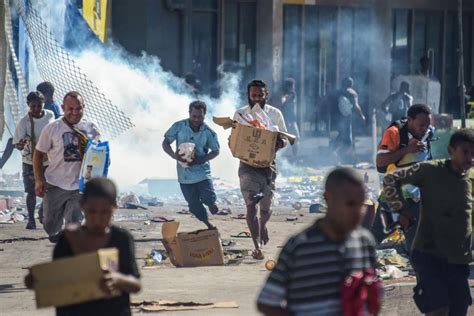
{"x":197,"y":195}
{"x":440,"y":284}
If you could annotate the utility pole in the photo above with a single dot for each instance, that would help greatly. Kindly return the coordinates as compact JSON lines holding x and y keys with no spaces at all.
{"x":3,"y":64}
{"x":461,"y":67}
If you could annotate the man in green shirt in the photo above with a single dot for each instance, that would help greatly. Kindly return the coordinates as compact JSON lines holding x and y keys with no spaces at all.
{"x":442,"y":248}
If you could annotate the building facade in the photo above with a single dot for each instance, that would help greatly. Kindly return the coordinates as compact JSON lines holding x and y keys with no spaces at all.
{"x":316,"y":42}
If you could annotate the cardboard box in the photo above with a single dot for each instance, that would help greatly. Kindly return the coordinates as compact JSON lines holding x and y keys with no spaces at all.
{"x":73,"y":280}
{"x":253,"y":146}
{"x":193,"y":249}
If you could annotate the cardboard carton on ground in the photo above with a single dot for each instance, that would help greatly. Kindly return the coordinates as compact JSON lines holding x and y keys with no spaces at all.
{"x":73,"y":280}
{"x":193,"y":249}
{"x":253,"y":146}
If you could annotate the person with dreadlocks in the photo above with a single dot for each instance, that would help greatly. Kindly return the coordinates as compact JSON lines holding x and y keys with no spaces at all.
{"x":63,"y":142}
{"x":27,"y":133}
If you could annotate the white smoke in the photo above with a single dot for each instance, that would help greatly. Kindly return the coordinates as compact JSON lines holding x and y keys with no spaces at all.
{"x":154,"y":100}
{"x":151,"y":97}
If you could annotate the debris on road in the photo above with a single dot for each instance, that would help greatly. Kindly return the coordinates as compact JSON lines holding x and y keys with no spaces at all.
{"x":390,"y":256}
{"x":10,"y":217}
{"x":155,"y":257}
{"x":157,"y":306}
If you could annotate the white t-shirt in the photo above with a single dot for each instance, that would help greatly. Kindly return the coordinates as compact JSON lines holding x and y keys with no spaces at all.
{"x":61,"y":145}
{"x":23,"y":132}
{"x":273,"y":113}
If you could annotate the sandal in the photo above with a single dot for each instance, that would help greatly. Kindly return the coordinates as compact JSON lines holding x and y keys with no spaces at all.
{"x":242,"y":235}
{"x":224,"y":211}
{"x":162,"y":219}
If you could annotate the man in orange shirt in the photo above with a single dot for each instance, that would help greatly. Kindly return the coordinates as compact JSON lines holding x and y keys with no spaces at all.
{"x":404,"y":142}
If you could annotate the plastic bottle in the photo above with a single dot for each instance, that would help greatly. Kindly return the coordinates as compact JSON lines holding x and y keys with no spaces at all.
{"x":156,"y":256}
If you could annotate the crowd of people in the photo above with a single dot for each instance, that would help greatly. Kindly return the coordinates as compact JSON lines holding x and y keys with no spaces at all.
{"x":328,"y":268}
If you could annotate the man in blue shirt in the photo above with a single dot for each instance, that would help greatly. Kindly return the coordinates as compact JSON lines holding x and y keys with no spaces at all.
{"x":47,"y":89}
{"x":195,"y":177}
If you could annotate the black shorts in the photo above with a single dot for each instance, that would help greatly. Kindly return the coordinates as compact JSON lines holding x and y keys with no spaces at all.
{"x":29,"y":178}
{"x":440,"y":284}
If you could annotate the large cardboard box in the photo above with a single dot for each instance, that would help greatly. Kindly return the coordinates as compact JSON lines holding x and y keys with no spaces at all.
{"x":73,"y":280}
{"x":253,"y":146}
{"x":193,"y":249}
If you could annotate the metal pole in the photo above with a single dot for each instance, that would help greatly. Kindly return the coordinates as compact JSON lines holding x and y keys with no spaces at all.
{"x":3,"y":64}
{"x":461,"y":67}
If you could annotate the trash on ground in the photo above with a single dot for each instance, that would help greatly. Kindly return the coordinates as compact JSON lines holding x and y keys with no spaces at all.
{"x":364,"y":165}
{"x":235,"y":256}
{"x":155,"y":257}
{"x":390,"y":256}
{"x":224,"y":211}
{"x":183,"y":211}
{"x":228,"y":243}
{"x":151,"y":201}
{"x":297,"y":206}
{"x":128,"y":198}
{"x":316,"y":208}
{"x":242,"y":235}
{"x":395,"y":237}
{"x":10,"y":217}
{"x":240,"y":216}
{"x":132,"y":206}
{"x":156,"y":306}
{"x":270,"y":264}
{"x":291,"y":218}
{"x":161,"y":219}
{"x":391,"y":272}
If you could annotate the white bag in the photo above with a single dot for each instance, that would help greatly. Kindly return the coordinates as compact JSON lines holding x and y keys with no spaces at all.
{"x":186,"y":150}
{"x":344,"y":105}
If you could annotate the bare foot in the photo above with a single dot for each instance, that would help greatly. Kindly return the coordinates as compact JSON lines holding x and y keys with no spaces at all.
{"x":257,"y":254}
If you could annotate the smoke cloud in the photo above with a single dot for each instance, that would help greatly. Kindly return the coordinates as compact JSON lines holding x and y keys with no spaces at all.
{"x":154,"y":100}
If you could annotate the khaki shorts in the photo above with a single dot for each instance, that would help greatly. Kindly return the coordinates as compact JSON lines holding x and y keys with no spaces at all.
{"x":254,"y":181}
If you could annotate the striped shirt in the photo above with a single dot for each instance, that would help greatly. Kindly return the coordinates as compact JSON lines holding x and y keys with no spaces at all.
{"x":311,"y":268}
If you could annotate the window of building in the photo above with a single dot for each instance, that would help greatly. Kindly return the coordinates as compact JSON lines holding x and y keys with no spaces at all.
{"x":418,"y":33}
{"x":239,"y":38}
{"x":322,"y":45}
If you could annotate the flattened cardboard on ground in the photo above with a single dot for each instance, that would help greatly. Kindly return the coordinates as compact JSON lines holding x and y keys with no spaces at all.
{"x":73,"y":280}
{"x":253,"y":146}
{"x":156,"y":306}
{"x":193,"y":249}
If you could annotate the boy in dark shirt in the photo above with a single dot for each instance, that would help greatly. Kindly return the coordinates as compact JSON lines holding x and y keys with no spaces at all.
{"x":98,"y":204}
{"x":442,"y":249}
